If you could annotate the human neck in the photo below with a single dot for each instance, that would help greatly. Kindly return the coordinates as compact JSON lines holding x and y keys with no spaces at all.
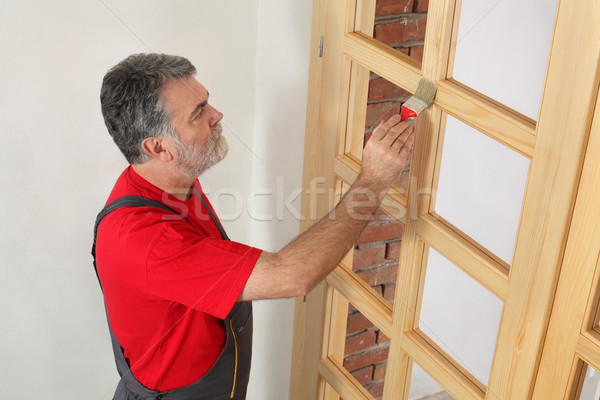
{"x":166,"y":179}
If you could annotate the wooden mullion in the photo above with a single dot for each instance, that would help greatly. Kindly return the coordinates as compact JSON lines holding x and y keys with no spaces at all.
{"x":366,"y":300}
{"x":434,"y":161}
{"x":455,"y":379}
{"x":344,"y":142}
{"x":498,"y":122}
{"x":588,"y":348}
{"x":382,"y":59}
{"x":364,"y":17}
{"x":336,"y":317}
{"x":405,"y":73}
{"x":357,"y":110}
{"x":342,"y":381}
{"x":476,"y":262}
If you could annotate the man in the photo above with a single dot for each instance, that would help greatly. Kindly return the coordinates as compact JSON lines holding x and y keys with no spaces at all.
{"x":177,"y":291}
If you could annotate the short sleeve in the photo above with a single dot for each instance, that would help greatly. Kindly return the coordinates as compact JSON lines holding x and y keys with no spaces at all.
{"x":204,"y":273}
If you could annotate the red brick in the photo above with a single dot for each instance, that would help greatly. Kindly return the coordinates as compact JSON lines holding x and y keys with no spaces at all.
{"x":392,"y":250}
{"x":379,"y":289}
{"x":421,"y":6}
{"x":376,"y":112}
{"x":379,"y":371}
{"x":382,"y":89}
{"x":396,"y":34}
{"x":416,"y":52}
{"x":379,"y":231}
{"x":389,"y":292}
{"x":380,"y":275}
{"x":371,"y":255}
{"x":375,"y":388}
{"x":364,"y":375}
{"x":357,"y":322}
{"x":381,"y":338}
{"x":360,"y":342}
{"x":372,"y":356}
{"x":391,"y":7}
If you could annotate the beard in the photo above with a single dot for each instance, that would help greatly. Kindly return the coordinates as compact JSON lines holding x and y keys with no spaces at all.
{"x":193,"y":162}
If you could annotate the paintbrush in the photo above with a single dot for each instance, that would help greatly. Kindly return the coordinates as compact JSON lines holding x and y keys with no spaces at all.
{"x":422,"y":98}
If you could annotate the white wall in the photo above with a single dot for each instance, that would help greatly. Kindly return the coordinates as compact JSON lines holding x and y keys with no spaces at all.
{"x":58,"y":164}
{"x":281,"y":87}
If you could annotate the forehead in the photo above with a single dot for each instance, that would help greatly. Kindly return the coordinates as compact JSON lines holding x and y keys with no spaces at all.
{"x":181,"y":96}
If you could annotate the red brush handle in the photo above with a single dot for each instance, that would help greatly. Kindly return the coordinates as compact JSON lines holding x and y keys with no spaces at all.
{"x":406,"y":113}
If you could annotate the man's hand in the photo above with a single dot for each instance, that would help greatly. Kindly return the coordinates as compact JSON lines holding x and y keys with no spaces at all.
{"x":387,"y":151}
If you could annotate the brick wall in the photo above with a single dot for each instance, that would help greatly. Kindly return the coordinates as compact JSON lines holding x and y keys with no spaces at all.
{"x":400,"y":24}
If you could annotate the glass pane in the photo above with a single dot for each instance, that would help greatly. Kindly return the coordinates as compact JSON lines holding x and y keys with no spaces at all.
{"x":366,"y":352}
{"x":481,"y":187}
{"x":397,"y":23}
{"x":424,"y":387}
{"x":591,"y":385}
{"x":502,"y":50}
{"x":377,"y":252}
{"x":460,"y":316}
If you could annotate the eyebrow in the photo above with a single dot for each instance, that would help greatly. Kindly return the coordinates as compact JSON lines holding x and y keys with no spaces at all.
{"x":200,"y":106}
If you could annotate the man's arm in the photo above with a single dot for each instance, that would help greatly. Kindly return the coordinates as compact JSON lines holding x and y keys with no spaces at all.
{"x":299,"y":266}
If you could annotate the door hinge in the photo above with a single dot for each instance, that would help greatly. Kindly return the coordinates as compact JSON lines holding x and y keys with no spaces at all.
{"x":320,"y":53}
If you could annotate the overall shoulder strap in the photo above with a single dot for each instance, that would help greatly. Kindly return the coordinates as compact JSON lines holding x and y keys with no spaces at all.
{"x":212,"y":216}
{"x":125,"y":201}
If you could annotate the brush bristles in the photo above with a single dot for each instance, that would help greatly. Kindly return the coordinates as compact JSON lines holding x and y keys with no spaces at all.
{"x":423,"y":96}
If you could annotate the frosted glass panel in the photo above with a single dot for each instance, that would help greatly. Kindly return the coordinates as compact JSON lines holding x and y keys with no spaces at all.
{"x":502,"y":50}
{"x":460,"y":315}
{"x":424,"y":387}
{"x":481,"y":187}
{"x":591,"y":385}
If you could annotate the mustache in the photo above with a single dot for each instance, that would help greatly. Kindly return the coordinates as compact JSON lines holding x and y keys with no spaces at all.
{"x":217,"y":129}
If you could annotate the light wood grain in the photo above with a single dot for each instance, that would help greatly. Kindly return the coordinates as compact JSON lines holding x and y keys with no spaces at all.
{"x":578,"y":282}
{"x":453,"y":379}
{"x":567,"y":109}
{"x":478,"y":263}
{"x":319,"y":153}
{"x":341,"y":380}
{"x":364,"y":298}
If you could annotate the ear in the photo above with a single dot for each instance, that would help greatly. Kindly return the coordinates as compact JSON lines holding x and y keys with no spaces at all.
{"x":159,"y":148}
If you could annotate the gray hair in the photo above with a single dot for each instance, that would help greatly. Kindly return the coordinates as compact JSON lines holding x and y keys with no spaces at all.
{"x":131,"y":99}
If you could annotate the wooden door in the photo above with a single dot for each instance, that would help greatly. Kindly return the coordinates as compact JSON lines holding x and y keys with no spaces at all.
{"x":506,"y":280}
{"x":571,"y":356}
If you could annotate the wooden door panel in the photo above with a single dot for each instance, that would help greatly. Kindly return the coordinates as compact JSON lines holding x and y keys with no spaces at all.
{"x":519,"y":273}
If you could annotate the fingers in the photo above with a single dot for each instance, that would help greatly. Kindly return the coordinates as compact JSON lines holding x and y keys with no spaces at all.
{"x":385,"y":125}
{"x":407,"y":146}
{"x":392,"y":131}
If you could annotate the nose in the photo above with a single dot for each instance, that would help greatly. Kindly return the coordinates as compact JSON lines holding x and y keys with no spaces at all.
{"x":216,"y":115}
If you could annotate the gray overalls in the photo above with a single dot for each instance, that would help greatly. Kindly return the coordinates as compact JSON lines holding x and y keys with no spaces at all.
{"x":228,"y":377}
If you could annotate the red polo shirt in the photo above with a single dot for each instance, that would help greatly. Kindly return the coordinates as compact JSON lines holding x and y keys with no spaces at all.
{"x":168,"y":283}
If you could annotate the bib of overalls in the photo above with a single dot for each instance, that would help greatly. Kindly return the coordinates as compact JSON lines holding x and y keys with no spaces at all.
{"x":229,"y":375}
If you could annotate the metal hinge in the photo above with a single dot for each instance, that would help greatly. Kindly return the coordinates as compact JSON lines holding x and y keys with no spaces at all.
{"x":320,"y":53}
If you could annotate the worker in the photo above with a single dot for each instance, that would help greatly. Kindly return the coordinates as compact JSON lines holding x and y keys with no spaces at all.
{"x":177,"y":291}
